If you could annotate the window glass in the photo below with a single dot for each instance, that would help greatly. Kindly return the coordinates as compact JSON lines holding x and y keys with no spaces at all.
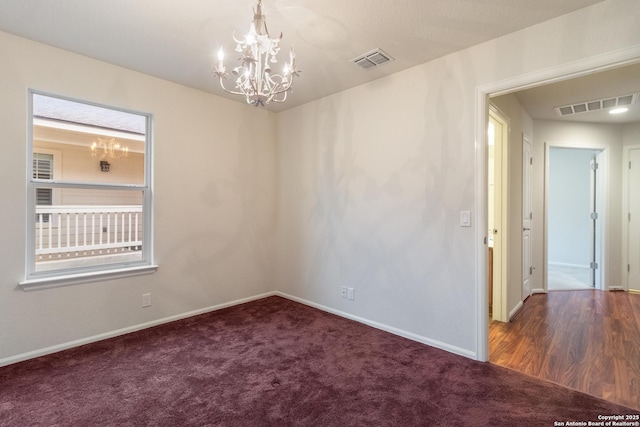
{"x":69,"y":236}
{"x":98,"y":144}
{"x":89,"y":188}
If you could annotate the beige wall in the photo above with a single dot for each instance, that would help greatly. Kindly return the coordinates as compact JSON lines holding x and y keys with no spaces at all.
{"x":631,"y":134}
{"x":367,"y":191}
{"x":207,"y":162}
{"x":372,"y":180}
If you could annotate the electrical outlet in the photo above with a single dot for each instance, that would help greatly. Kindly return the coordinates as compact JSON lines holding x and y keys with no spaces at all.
{"x":350,"y":294}
{"x":343,"y":292}
{"x":146,"y":300}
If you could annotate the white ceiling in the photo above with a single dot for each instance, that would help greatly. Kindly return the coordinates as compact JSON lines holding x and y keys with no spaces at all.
{"x":540,"y":102}
{"x":176,"y":41}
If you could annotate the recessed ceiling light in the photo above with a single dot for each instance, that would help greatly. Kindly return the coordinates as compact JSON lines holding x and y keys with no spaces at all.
{"x":619,"y":110}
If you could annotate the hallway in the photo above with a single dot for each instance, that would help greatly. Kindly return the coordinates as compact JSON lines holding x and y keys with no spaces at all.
{"x":587,"y":340}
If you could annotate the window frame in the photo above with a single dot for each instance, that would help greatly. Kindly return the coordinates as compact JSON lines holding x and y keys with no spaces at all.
{"x":75,"y":275}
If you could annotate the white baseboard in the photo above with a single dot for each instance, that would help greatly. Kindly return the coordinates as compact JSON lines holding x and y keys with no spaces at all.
{"x":76,"y":343}
{"x":515,"y":310}
{"x":65,"y":346}
{"x":538,"y":291}
{"x":409,"y":335}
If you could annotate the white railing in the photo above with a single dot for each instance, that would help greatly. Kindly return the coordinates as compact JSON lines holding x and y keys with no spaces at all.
{"x":76,"y":231}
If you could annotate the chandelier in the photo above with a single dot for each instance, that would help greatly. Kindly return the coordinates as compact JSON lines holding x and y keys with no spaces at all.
{"x":108,"y":149}
{"x":254,"y":78}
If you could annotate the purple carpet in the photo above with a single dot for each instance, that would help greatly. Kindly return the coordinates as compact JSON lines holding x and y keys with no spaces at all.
{"x":274,"y":362}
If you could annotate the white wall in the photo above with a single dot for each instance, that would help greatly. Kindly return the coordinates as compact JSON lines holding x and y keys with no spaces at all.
{"x":207,"y":160}
{"x":631,"y":134}
{"x":372,"y":180}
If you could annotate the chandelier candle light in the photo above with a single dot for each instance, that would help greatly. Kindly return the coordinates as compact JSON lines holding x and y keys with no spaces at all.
{"x":108,"y":148}
{"x":254,"y":79}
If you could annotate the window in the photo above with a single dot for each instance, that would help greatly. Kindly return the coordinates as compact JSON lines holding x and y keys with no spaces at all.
{"x":89,"y":192}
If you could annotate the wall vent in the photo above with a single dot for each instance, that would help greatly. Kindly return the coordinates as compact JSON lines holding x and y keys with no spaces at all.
{"x":372,"y":59}
{"x":598,"y":104}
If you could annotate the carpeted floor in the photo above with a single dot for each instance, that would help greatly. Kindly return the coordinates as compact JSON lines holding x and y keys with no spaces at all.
{"x":274,"y":362}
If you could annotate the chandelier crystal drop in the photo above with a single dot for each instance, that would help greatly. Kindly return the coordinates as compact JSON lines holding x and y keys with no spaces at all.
{"x":254,"y":78}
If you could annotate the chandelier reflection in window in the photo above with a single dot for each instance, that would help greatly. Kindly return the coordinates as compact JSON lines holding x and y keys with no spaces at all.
{"x":108,"y":149}
{"x":253,"y":77}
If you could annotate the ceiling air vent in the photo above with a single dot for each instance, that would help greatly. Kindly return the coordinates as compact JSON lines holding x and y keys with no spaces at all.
{"x":372,"y":59}
{"x":598,"y":104}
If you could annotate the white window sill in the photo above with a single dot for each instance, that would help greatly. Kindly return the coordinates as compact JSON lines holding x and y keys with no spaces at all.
{"x":85,"y":277}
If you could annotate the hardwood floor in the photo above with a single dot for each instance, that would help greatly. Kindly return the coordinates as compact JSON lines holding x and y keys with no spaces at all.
{"x":587,"y":340}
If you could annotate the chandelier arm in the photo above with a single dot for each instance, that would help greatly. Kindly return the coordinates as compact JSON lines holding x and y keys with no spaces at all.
{"x":284,"y":98}
{"x":270,"y":84}
{"x":254,"y":88}
{"x":229,"y":91}
{"x":282,"y":88}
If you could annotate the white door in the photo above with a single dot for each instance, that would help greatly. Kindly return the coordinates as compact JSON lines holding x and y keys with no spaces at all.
{"x":499,"y":141}
{"x":633,"y":237}
{"x":527,"y":215}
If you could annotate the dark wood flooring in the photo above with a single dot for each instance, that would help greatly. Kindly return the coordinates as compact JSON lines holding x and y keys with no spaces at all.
{"x":586,"y":340}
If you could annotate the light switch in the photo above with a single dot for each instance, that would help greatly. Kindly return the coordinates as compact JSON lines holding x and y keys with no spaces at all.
{"x":465,"y":219}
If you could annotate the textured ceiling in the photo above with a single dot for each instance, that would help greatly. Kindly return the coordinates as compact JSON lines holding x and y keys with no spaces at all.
{"x":177,"y":40}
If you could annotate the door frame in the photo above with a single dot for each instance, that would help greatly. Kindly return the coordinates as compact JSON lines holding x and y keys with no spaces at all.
{"x":569,"y":70}
{"x":602,"y":204}
{"x":527,"y":202}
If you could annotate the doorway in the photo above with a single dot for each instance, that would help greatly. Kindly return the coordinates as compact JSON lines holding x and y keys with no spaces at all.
{"x":574,"y":214}
{"x":610,"y":61}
